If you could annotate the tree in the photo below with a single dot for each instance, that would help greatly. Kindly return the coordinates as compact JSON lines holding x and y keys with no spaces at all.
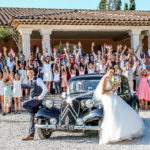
{"x":126,"y":7}
{"x":132,"y":5}
{"x":4,"y":34}
{"x":102,"y":5}
{"x":110,"y":5}
{"x":118,"y":5}
{"x":9,"y":32}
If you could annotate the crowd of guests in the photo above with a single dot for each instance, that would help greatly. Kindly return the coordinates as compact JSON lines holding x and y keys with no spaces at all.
{"x":57,"y":68}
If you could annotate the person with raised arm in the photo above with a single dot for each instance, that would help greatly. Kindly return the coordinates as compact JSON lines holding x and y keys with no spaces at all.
{"x":56,"y":72}
{"x":2,"y":62}
{"x":143,"y":90}
{"x":48,"y":75}
{"x":129,"y":70}
{"x":9,"y":58}
{"x":23,"y":76}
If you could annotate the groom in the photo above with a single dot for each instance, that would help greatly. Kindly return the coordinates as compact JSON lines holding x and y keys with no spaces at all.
{"x":37,"y":92}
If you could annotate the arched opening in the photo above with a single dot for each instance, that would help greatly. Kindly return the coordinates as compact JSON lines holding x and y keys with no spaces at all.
{"x":36,"y":40}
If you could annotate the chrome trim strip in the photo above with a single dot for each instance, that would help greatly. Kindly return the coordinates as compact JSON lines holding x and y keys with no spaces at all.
{"x":93,"y":128}
{"x":74,"y":110}
{"x":64,"y":110}
{"x":45,"y":126}
{"x":75,"y":117}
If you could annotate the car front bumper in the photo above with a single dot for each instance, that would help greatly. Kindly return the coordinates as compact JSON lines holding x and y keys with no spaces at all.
{"x":70,"y":127}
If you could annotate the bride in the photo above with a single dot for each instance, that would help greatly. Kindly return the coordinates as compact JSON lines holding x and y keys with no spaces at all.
{"x":120,"y":121}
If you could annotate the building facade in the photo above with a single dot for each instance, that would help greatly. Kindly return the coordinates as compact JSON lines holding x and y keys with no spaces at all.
{"x":46,"y":28}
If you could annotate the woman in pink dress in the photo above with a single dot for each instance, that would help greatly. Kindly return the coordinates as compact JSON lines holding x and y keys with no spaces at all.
{"x":143,"y":90}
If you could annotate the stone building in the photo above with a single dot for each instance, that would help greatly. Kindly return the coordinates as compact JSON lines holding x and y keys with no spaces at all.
{"x":46,"y":28}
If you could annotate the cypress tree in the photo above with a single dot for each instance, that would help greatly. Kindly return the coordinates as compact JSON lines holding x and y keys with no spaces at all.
{"x":126,"y":7}
{"x":102,"y":5}
{"x":118,"y":5}
{"x":132,"y":5}
{"x":110,"y":4}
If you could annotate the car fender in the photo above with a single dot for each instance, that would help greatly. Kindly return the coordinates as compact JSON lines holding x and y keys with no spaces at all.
{"x":48,"y":113}
{"x":95,"y":114}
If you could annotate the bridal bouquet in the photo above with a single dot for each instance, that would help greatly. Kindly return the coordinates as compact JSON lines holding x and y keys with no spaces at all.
{"x":115,"y":80}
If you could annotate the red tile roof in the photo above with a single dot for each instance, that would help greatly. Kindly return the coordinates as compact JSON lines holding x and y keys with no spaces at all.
{"x":16,"y":16}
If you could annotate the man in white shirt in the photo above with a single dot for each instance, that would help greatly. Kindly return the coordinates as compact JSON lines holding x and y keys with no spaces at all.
{"x":37,"y":92}
{"x":128,"y":71}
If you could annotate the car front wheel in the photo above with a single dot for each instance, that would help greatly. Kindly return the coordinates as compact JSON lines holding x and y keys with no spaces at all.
{"x":44,"y":133}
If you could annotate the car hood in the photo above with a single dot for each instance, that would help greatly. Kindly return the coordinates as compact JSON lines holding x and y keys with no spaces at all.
{"x":81,"y":96}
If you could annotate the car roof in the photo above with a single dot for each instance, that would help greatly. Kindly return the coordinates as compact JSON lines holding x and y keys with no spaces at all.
{"x":90,"y":76}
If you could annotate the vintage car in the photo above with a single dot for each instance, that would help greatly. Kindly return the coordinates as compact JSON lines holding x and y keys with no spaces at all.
{"x":78,"y":112}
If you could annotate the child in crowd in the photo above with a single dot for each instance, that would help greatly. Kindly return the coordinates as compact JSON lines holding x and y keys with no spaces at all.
{"x":91,"y":68}
{"x":17,"y":92}
{"x":73,"y":73}
{"x":64,"y":81}
{"x":82,"y":70}
{"x":7,"y":82}
{"x":56,"y":71}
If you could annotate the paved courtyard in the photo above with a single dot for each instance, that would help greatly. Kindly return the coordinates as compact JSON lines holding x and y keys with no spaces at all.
{"x":14,"y":127}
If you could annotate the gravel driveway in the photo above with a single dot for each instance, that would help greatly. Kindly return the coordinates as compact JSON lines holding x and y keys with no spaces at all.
{"x":14,"y":127}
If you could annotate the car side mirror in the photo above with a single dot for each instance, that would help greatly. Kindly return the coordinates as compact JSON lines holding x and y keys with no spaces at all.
{"x":64,"y":95}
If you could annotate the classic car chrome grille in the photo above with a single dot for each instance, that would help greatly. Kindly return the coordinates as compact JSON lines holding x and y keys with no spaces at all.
{"x":70,"y":112}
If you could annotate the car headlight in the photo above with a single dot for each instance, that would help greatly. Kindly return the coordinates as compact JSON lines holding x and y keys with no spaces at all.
{"x":89,"y":103}
{"x":83,"y":103}
{"x":49,"y":104}
{"x":53,"y":121}
{"x":79,"y":122}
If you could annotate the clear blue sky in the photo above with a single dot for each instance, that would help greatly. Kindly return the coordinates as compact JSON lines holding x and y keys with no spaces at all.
{"x":68,"y":4}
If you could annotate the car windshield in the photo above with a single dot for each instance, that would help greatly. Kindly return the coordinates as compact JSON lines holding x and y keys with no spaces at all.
{"x":82,"y":86}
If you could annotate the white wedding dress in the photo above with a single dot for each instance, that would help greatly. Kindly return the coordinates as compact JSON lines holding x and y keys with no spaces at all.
{"x":120,"y":121}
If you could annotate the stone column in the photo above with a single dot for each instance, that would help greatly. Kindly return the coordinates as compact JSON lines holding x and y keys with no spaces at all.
{"x":46,"y":32}
{"x":135,"y":40}
{"x":26,"y":41}
{"x":148,"y":35}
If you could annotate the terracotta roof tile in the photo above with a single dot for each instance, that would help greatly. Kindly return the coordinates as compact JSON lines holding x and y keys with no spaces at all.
{"x":71,"y":16}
